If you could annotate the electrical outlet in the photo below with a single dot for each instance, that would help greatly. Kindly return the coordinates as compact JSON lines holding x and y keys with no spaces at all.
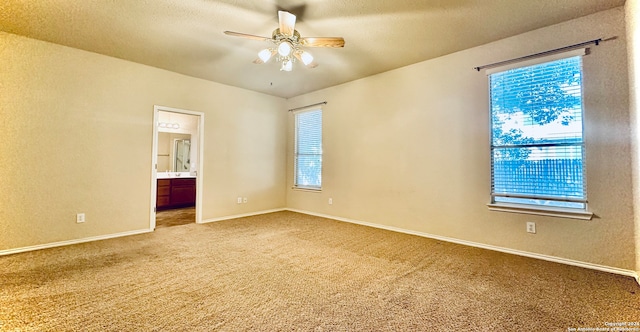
{"x":239,"y":200}
{"x":531,"y":227}
{"x":244,"y":200}
{"x":80,"y":218}
{"x":330,"y":201}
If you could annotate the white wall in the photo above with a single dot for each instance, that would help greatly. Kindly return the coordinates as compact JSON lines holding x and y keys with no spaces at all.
{"x":409,"y":148}
{"x":67,"y":114}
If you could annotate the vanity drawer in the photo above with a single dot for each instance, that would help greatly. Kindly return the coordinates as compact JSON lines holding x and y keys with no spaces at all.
{"x":183,"y":182}
{"x":164,"y":183}
{"x":164,"y":190}
{"x":163,"y":201}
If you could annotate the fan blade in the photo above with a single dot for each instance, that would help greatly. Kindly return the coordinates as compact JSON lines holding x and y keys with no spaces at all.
{"x":244,"y":35}
{"x":322,"y":41}
{"x":311,"y":65}
{"x":287,"y":23}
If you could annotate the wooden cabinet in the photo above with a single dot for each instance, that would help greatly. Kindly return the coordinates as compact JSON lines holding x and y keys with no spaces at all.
{"x":175,"y":193}
{"x":163,"y":198}
{"x":183,"y":192}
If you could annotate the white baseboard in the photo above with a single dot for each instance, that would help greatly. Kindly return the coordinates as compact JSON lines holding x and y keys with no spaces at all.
{"x":242,"y":215}
{"x":70,"y":242}
{"x":111,"y":236}
{"x":614,"y":270}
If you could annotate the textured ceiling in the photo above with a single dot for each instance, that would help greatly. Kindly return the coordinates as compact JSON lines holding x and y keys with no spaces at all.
{"x":186,"y":36}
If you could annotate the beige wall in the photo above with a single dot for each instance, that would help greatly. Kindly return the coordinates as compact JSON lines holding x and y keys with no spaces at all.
{"x":632,"y":11}
{"x":409,"y":149}
{"x":67,"y":114}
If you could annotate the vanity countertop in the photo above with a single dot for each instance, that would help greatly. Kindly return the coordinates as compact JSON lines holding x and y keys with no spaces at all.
{"x":174,"y":175}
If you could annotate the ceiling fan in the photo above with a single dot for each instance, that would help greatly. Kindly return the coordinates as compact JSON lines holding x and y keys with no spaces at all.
{"x":288,"y":44}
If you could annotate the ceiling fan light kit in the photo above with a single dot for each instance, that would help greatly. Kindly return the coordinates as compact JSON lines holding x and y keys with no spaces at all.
{"x":287,"y":44}
{"x":306,"y":57}
{"x":284,"y":49}
{"x":265,"y":54}
{"x":287,"y":65}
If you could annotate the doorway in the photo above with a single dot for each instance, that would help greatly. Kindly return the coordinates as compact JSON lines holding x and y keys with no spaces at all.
{"x":176,"y":169}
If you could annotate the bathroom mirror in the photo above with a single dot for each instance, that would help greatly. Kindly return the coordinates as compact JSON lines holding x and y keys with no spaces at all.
{"x":174,"y":152}
{"x":181,"y":160}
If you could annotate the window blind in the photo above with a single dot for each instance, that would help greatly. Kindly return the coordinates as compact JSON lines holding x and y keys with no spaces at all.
{"x":308,"y":149}
{"x":537,"y":146}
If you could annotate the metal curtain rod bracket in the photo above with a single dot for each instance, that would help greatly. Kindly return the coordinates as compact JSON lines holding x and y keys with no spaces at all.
{"x":537,"y":55}
{"x":303,"y":107}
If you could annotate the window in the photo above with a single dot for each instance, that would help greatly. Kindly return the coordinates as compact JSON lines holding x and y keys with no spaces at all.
{"x":537,"y":146}
{"x":308,"y":150}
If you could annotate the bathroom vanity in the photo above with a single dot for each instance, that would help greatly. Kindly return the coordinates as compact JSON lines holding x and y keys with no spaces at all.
{"x":175,"y":192}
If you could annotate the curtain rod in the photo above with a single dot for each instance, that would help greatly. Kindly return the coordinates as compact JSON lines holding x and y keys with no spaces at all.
{"x":316,"y":104}
{"x":537,"y":55}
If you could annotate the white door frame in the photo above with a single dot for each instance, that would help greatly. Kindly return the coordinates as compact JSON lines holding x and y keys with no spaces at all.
{"x":154,"y":161}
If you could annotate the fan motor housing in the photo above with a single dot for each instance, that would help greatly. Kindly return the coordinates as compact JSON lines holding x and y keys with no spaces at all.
{"x":277,"y":36}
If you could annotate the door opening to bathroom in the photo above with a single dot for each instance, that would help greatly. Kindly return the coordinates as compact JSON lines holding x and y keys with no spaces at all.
{"x":176,"y":188}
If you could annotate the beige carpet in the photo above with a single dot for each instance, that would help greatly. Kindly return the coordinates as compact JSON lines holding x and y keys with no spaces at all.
{"x":175,"y":217}
{"x":291,"y":272}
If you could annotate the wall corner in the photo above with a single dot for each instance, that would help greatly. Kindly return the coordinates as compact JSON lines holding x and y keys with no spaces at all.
{"x":632,"y":8}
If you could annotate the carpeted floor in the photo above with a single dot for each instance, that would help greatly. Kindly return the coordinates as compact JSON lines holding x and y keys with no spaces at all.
{"x":175,"y":217}
{"x":291,"y":272}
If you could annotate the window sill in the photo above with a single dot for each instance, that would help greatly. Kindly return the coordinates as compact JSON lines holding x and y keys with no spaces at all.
{"x":310,"y":189}
{"x":541,"y":211}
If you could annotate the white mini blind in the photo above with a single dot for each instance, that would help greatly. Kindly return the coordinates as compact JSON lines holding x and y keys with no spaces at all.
{"x":308,"y":149}
{"x":537,"y":145}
